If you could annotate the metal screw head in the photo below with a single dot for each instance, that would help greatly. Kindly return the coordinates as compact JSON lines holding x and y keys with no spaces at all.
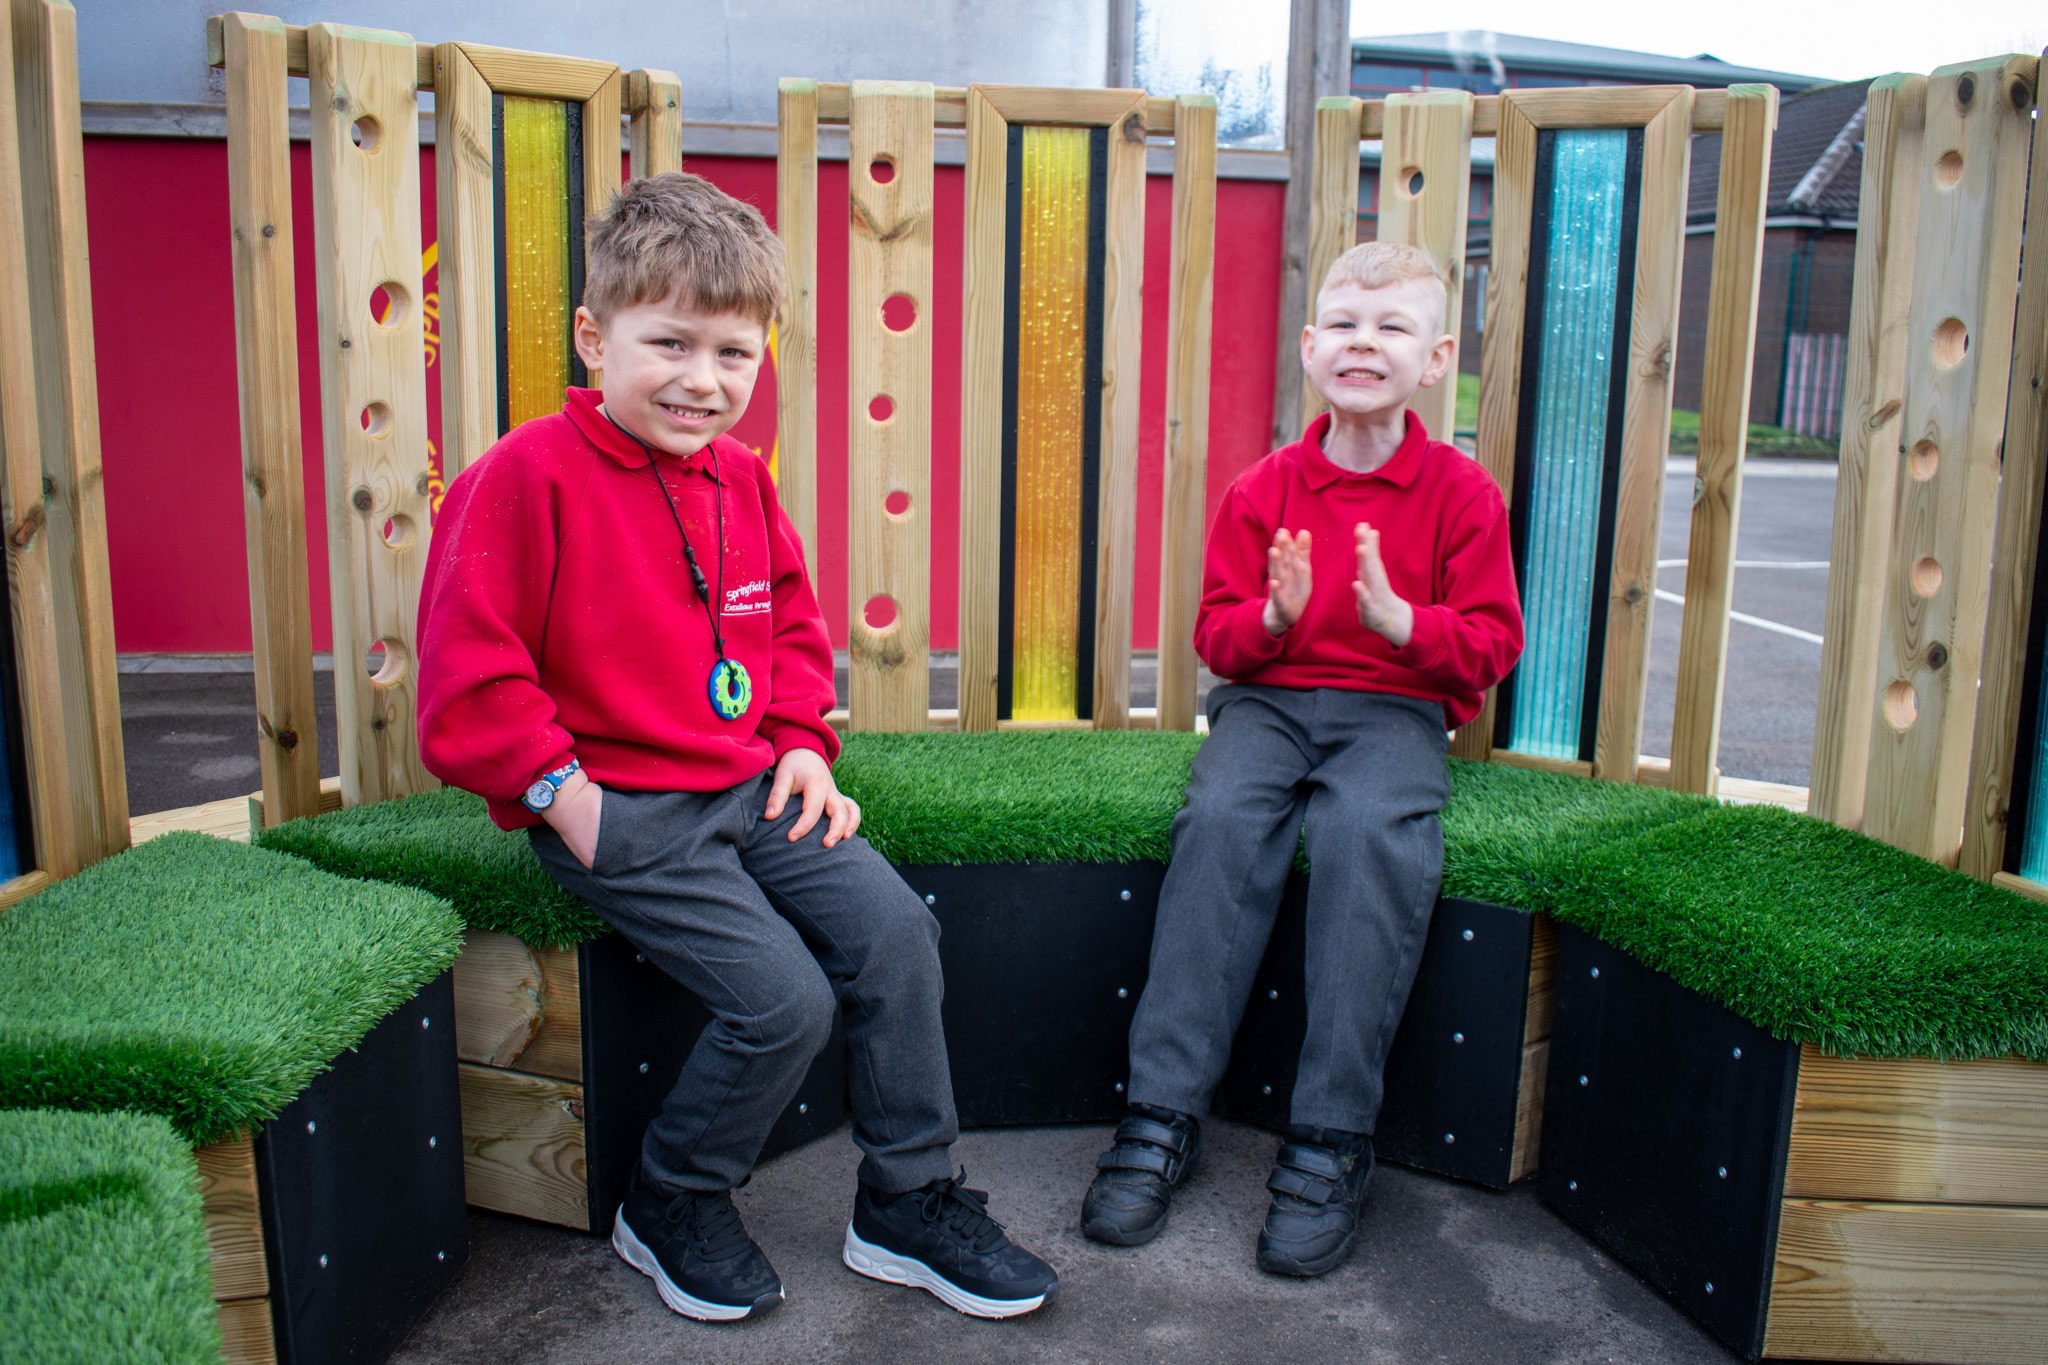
{"x":1721,"y":1171}
{"x":1738,"y":1054}
{"x":323,"y":1260}
{"x":803,"y":1109}
{"x":433,"y":1141}
{"x":1123,"y":895}
{"x":270,"y":229}
{"x":1582,"y":1079}
{"x":643,"y":1068}
{"x":1457,"y":1037}
{"x":930,"y":899}
{"x":311,"y":1125}
{"x":1265,"y":1089}
{"x":1272,"y":995}
{"x":1710,"y":1286}
{"x":1571,"y":1184}
{"x":426,"y":1021}
{"x":1596,"y":973}
{"x":1450,"y":1137}
{"x":1123,"y":992}
{"x":639,"y":957}
{"x":440,"y":1255}
{"x":1119,"y":1087}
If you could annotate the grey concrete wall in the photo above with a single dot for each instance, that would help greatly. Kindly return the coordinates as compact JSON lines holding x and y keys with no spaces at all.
{"x":728,"y":54}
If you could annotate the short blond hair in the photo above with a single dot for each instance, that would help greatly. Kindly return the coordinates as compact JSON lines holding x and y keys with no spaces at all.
{"x":677,"y":235}
{"x":1375,"y":265}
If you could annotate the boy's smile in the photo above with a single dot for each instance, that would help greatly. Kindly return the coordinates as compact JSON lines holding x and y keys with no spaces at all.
{"x":1369,"y":350}
{"x":673,"y":375}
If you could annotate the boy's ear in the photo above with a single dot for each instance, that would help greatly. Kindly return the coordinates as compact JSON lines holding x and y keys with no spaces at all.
{"x":1308,"y":344}
{"x":589,"y":338}
{"x":1441,"y":357}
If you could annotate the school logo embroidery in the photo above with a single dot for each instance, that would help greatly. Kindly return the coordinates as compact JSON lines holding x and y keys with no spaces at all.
{"x":748,"y":599}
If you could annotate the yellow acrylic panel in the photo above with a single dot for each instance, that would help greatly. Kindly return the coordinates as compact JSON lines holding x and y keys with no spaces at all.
{"x":536,"y":228}
{"x":1052,"y":300}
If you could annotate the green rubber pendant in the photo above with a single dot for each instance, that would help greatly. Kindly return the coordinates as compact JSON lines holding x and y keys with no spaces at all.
{"x":732,"y":691}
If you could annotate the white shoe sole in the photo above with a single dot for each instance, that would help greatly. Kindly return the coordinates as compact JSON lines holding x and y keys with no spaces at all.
{"x":634,"y":1253}
{"x":865,"y":1258}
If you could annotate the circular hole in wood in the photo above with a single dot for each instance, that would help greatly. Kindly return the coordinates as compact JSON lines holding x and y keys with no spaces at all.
{"x":879,"y":612}
{"x":376,"y":419}
{"x":1925,"y":459}
{"x":881,"y":407}
{"x":387,"y":663}
{"x":1901,"y":705}
{"x":1926,"y":576}
{"x":1951,"y":343}
{"x":398,"y":531}
{"x":366,"y":133}
{"x":388,"y":303}
{"x":897,"y":504}
{"x":882,"y":170}
{"x":1948,"y":169}
{"x":1411,"y":181}
{"x":899,"y":312}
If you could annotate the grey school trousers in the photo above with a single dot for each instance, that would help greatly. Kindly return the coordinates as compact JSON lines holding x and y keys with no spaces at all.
{"x":775,"y":937}
{"x":1362,"y":773}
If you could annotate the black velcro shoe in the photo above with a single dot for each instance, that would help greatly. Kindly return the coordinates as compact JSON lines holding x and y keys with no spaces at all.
{"x":940,"y":1238}
{"x":1127,"y":1203}
{"x":697,"y":1252}
{"x":1318,"y":1186}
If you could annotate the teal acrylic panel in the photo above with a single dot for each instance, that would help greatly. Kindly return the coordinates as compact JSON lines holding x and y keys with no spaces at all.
{"x":1568,"y":442}
{"x":2033,"y":863}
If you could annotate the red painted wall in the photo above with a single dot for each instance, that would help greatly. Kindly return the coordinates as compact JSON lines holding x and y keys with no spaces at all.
{"x":163,"y":313}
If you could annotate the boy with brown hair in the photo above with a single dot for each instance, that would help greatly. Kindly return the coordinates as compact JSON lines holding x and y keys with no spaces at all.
{"x":1352,"y":641}
{"x":620,"y":650}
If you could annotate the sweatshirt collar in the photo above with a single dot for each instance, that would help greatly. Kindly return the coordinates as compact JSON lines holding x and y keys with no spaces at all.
{"x":1321,"y":473}
{"x":581,"y":407}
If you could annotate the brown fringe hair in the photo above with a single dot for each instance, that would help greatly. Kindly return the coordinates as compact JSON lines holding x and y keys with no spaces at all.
{"x":678,"y":236}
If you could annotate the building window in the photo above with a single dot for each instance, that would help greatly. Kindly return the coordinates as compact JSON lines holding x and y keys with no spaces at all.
{"x":1235,"y":50}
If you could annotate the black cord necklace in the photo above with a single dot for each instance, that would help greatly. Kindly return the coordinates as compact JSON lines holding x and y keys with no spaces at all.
{"x":730,"y":686}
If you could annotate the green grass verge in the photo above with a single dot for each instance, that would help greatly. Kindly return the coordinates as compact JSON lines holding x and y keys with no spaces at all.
{"x":443,"y":842}
{"x":102,"y":1244}
{"x":1820,"y":935}
{"x":1764,"y":440}
{"x":203,"y":980}
{"x":1512,"y":834}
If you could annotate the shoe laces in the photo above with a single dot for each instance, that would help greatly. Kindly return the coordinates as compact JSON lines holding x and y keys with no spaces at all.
{"x":711,"y":1222}
{"x":961,"y":1212}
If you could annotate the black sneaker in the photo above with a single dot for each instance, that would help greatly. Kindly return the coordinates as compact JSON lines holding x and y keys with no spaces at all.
{"x":696,"y":1251}
{"x":1318,"y":1186}
{"x":1127,"y":1203}
{"x":941,"y":1238}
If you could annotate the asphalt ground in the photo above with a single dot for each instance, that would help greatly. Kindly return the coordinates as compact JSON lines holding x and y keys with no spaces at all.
{"x":1444,"y":1271}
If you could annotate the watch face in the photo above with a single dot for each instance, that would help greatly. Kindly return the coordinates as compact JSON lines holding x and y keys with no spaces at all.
{"x":540,"y":795}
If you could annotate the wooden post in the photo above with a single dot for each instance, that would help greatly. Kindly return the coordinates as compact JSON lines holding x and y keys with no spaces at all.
{"x":466,"y":222}
{"x":373,"y":392}
{"x":1123,"y":323}
{"x":654,"y":100}
{"x":2013,"y":556}
{"x":267,"y":370}
{"x":1318,"y":64}
{"x":1866,"y":484}
{"x":1332,"y":215}
{"x":796,"y":356}
{"x":1425,"y":196}
{"x":24,"y":515}
{"x":1958,"y":351}
{"x":1724,"y":433}
{"x":53,"y":200}
{"x":1185,"y":479}
{"x":889,"y":398}
{"x":1645,"y":438}
{"x":981,"y":410}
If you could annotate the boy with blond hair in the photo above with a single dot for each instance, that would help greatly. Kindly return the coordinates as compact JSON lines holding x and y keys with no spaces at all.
{"x":620,"y":650}
{"x":1359,"y":594}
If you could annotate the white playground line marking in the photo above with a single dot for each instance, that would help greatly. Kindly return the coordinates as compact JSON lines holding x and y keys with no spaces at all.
{"x":1748,"y":620}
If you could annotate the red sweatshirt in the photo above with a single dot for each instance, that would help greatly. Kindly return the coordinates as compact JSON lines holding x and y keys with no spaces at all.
{"x":558,"y":618}
{"x":1443,"y":537}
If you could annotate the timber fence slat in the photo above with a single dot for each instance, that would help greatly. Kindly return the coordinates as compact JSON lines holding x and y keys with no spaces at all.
{"x":1184,"y":480}
{"x":889,"y":391}
{"x":1332,"y":205}
{"x":796,"y":356}
{"x":981,"y":411}
{"x":654,"y":105}
{"x":1123,"y":321}
{"x":1425,"y":191}
{"x":467,"y":227}
{"x":1724,"y":433}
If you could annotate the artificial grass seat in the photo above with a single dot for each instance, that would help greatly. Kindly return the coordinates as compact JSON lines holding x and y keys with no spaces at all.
{"x":1820,"y":935}
{"x":102,"y":1243}
{"x":203,"y":980}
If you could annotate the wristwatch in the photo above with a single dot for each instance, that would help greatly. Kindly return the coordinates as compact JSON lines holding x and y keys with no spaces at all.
{"x":541,"y":794}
